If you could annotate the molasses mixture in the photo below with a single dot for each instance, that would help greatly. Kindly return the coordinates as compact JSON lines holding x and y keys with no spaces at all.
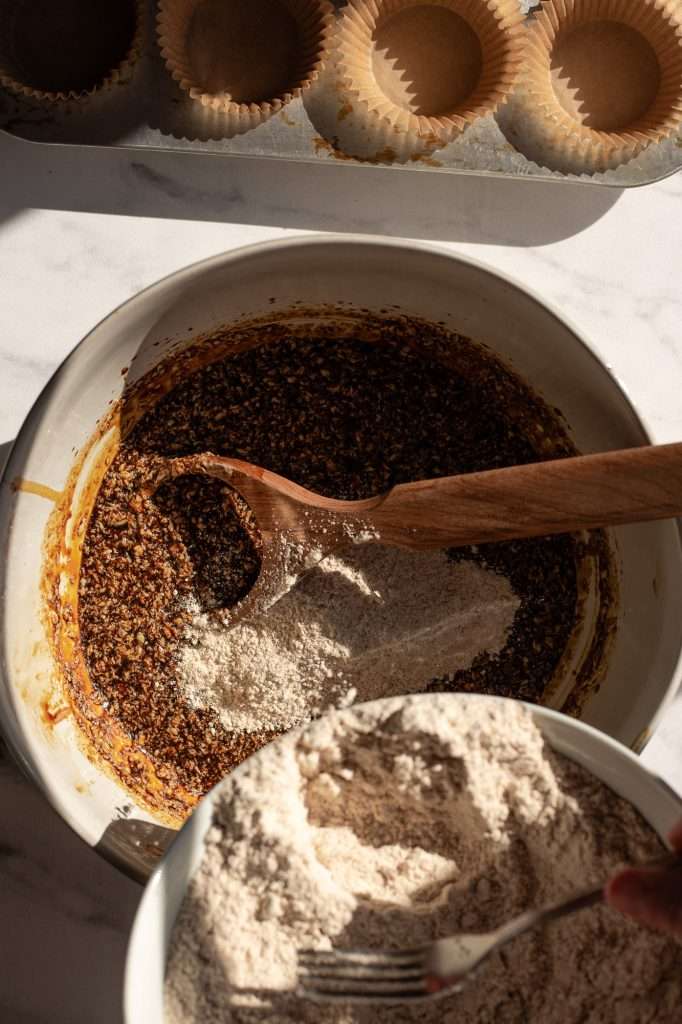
{"x":347,"y":416}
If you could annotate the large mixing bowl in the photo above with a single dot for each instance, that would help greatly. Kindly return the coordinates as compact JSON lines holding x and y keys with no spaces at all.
{"x":644,"y":664}
{"x":150,"y":937}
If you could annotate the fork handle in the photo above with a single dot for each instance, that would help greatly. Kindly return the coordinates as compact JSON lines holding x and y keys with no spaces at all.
{"x":580,"y":901}
{"x":533,"y":918}
{"x":542,"y":498}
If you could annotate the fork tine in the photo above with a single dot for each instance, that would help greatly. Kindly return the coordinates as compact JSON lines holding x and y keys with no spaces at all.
{"x":361,"y":957}
{"x":366,"y":991}
{"x":356,"y":972}
{"x":366,"y":976}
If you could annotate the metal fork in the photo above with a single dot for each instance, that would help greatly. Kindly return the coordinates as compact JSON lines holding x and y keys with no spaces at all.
{"x":429,"y":971}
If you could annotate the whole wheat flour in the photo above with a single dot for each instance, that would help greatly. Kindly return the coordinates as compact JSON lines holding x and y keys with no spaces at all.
{"x":367,"y":622}
{"x":389,"y":826}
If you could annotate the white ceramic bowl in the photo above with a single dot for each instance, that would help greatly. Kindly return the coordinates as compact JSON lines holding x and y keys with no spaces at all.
{"x":644,"y":666}
{"x":148,"y":946}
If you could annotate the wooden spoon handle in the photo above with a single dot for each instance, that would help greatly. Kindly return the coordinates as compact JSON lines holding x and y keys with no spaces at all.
{"x":542,"y":498}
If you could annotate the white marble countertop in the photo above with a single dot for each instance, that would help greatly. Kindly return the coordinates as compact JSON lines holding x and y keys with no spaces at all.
{"x":83,"y":230}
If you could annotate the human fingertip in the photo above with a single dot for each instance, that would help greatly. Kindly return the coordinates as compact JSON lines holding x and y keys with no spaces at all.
{"x":626,"y":892}
{"x":675,"y":837}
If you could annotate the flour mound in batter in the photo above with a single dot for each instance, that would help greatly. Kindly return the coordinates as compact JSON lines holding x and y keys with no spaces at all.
{"x":366,"y":622}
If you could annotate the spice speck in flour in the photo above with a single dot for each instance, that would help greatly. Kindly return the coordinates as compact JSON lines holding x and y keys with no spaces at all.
{"x":393,"y":824}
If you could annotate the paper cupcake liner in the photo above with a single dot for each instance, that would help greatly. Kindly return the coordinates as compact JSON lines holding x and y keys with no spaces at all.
{"x":313,"y":19}
{"x":346,"y":130}
{"x":16,"y":79}
{"x":496,"y":24}
{"x":586,"y":148}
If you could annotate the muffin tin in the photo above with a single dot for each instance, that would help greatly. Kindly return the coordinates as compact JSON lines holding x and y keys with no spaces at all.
{"x":355,"y":83}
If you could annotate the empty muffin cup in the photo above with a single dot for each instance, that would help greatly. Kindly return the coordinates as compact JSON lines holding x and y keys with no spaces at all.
{"x":55,"y":52}
{"x":605,"y":77}
{"x":245,"y":60}
{"x":430,"y":67}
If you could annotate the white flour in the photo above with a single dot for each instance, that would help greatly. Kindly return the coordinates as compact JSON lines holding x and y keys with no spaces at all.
{"x":388,"y":827}
{"x":368,"y":622}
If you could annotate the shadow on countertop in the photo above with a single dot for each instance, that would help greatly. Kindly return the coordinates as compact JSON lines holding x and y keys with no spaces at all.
{"x":308,"y":196}
{"x":65,"y":916}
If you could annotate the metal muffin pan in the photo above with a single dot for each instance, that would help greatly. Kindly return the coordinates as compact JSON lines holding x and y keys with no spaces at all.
{"x":150,"y":111}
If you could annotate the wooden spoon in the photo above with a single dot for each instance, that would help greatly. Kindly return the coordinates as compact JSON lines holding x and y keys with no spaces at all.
{"x":298,"y":527}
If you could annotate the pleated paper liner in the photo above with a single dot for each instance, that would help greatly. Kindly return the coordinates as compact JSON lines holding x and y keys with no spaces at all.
{"x":241,"y":61}
{"x":345,"y":129}
{"x":603,"y":80}
{"x":429,"y":68}
{"x":62,"y":52}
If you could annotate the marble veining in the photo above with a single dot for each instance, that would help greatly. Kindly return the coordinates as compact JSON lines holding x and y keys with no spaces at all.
{"x":83,"y":230}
